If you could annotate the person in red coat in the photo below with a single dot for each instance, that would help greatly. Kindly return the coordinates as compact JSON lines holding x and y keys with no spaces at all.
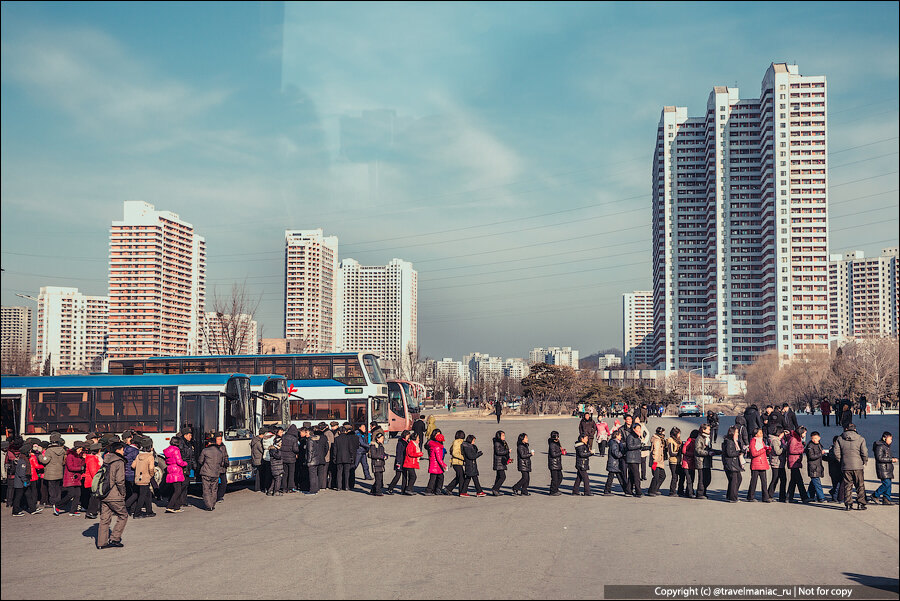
{"x":411,"y":464}
{"x":759,"y":464}
{"x":72,"y":476}
{"x":825,"y":408}
{"x":795,"y":451}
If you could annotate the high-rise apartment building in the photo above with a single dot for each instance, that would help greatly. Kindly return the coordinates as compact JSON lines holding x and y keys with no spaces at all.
{"x":637,"y":328}
{"x":515,"y":368}
{"x":16,"y":331}
{"x":740,"y":236}
{"x":554,"y":355}
{"x":448,"y":372}
{"x":863,"y":295}
{"x":483,"y":367}
{"x":378,"y":309}
{"x":157,"y":283}
{"x":310,"y":289}
{"x":71,"y":330}
{"x":224,"y":334}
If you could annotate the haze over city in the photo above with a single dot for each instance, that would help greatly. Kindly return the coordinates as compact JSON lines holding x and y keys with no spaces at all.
{"x":508,"y":158}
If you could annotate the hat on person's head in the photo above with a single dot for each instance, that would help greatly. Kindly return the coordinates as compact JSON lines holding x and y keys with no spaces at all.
{"x":92,"y":435}
{"x":263,"y":431}
{"x":78,"y":445}
{"x":219,"y":434}
{"x":333,"y":424}
{"x":186,"y":430}
{"x":146,"y":444}
{"x":45,"y":444}
{"x":96,"y":446}
{"x":55,"y":437}
{"x":127,"y":434}
{"x":32,"y":440}
{"x":115,"y":446}
{"x":307,"y":424}
{"x":322,"y":425}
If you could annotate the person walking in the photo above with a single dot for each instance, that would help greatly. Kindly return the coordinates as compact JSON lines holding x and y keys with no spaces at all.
{"x":399,"y":459}
{"x":615,"y":463}
{"x":113,"y":504}
{"x":554,"y":462}
{"x":688,"y":466}
{"x":814,"y":467}
{"x":850,"y":450}
{"x":210,"y":459}
{"x":731,"y":462}
{"x":175,"y":466}
{"x":419,"y":428}
{"x":825,"y":408}
{"x":588,"y":427}
{"x":290,"y":452}
{"x":778,"y":462}
{"x":759,"y":465}
{"x":582,"y":465}
{"x":436,"y":465}
{"x":795,"y":451}
{"x":703,"y":453}
{"x":411,"y":464}
{"x":144,"y":466}
{"x":457,"y":461}
{"x":54,"y":466}
{"x":73,"y":473}
{"x":498,"y":409}
{"x":712,"y":418}
{"x":523,"y":465}
{"x":602,"y":437}
{"x":378,"y":454}
{"x":430,"y":427}
{"x":362,"y":452}
{"x":22,"y":501}
{"x":657,"y":461}
{"x":673,"y":451}
{"x":501,"y":460}
{"x":92,"y":463}
{"x":470,"y":467}
{"x":884,"y":468}
{"x":633,"y":447}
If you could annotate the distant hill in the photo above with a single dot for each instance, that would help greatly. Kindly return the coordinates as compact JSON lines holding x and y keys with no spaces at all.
{"x":590,"y":362}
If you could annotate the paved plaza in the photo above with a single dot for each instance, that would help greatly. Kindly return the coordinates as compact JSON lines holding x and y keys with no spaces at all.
{"x":340,"y":545}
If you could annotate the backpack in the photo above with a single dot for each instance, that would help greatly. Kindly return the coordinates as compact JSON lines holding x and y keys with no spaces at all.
{"x":101,"y":484}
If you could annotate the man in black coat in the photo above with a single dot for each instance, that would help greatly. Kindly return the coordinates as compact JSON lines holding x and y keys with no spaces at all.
{"x":582,"y":465}
{"x":419,"y":428}
{"x":588,"y":427}
{"x":789,"y":418}
{"x":399,"y":458}
{"x":633,"y":447}
{"x":751,"y":415}
{"x":316,"y":450}
{"x":290,"y":449}
{"x":554,"y":463}
{"x":345,"y":445}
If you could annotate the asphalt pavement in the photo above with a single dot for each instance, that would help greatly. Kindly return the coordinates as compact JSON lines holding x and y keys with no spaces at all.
{"x":349,"y":544}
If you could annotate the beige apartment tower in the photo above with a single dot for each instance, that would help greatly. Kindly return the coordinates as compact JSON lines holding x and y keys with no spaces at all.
{"x":310,"y":289}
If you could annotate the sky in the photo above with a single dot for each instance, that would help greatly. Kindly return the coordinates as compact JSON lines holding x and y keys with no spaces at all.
{"x":504,"y":149}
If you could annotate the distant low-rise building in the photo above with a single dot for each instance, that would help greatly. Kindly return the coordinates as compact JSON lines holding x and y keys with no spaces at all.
{"x":608,"y":360}
{"x":554,"y":355}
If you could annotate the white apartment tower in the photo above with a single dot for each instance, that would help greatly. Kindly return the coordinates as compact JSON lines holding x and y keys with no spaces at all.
{"x":637,"y":328}
{"x":224,"y":334}
{"x":71,"y":330}
{"x":157,"y":283}
{"x":554,"y":355}
{"x":378,"y":309}
{"x":310,"y":289}
{"x":16,"y":330}
{"x":863,"y":295}
{"x":740,"y":231}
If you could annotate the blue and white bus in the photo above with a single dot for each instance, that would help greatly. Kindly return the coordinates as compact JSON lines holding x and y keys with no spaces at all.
{"x":155,"y":405}
{"x":321,"y":386}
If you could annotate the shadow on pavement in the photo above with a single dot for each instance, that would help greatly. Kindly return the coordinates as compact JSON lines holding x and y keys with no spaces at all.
{"x":879,"y":582}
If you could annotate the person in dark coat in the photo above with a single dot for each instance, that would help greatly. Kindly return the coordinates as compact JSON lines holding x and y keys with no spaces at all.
{"x":743,"y":435}
{"x":731,"y":462}
{"x":378,"y":455}
{"x":114,"y":502}
{"x":794,"y":449}
{"x":501,"y":460}
{"x":554,"y":462}
{"x":789,"y":418}
{"x":850,"y":450}
{"x":582,"y":465}
{"x":256,"y":458}
{"x":362,"y":452}
{"x":614,"y":462}
{"x":587,"y":427}
{"x":399,"y":458}
{"x":498,"y":410}
{"x":345,"y":445}
{"x":834,"y":472}
{"x":277,"y":466}
{"x":712,"y":418}
{"x":523,"y":464}
{"x":317,"y":466}
{"x":290,"y":450}
{"x":471,"y":453}
{"x":22,"y":474}
{"x":210,"y":459}
{"x":751,"y":415}
{"x":633,"y":447}
{"x":884,"y":468}
{"x":419,"y":427}
{"x":846,"y":416}
{"x":223,"y":467}
{"x":814,"y":468}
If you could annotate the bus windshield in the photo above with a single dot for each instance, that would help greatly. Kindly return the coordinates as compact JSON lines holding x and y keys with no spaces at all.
{"x":373,"y":369}
{"x":412,"y":398}
{"x":238,"y":413}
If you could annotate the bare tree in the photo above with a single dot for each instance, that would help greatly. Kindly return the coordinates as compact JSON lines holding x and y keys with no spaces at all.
{"x":763,"y":380}
{"x":17,"y":363}
{"x":878,"y":362}
{"x":231,"y":330}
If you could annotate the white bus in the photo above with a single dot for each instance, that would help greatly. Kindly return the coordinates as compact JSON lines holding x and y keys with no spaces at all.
{"x":155,"y":405}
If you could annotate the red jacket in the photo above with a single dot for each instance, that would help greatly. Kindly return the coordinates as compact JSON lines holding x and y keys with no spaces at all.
{"x":759,"y":459}
{"x":795,"y":449}
{"x":74,"y":470}
{"x":91,"y":466}
{"x":687,"y":454}
{"x":436,"y":463}
{"x":825,"y":407}
{"x":412,"y":455}
{"x":35,"y":466}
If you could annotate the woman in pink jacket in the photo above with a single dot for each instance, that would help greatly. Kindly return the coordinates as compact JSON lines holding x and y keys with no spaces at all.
{"x":795,"y":451}
{"x":759,"y":464}
{"x":175,"y":477}
{"x":602,"y":436}
{"x":436,"y":465}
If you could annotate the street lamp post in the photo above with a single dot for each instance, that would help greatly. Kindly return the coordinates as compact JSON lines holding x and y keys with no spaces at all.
{"x":702,"y":376}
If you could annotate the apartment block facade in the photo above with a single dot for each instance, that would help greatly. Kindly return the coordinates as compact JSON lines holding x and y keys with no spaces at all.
{"x":71,"y":330}
{"x":310,"y":289}
{"x":378,"y":309}
{"x":740,"y":226}
{"x":637,"y":328}
{"x":863,"y":295}
{"x":229,"y":335}
{"x":157,"y":284}
{"x":554,"y":355}
{"x":15,"y":323}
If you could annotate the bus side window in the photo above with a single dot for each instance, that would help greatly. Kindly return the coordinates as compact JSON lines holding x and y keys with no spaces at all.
{"x":302,"y":369}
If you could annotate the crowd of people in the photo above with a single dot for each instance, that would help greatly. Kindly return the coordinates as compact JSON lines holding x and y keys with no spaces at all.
{"x":109,"y":476}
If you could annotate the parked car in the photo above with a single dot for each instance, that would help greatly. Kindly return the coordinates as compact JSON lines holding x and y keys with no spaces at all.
{"x":689,"y":408}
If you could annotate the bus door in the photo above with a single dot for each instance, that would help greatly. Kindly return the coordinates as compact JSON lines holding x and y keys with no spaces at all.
{"x":399,"y":418}
{"x":358,"y":414}
{"x":11,"y":410}
{"x":200,"y":413}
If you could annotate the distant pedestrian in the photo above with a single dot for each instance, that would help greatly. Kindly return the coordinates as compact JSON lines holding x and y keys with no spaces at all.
{"x":501,"y":460}
{"x":712,"y":418}
{"x":419,"y":428}
{"x":582,"y":466}
{"x":789,"y":418}
{"x":825,"y":408}
{"x":471,"y":454}
{"x":615,"y":462}
{"x":884,"y":468}
{"x":588,"y":427}
{"x":498,"y":409}
{"x":554,"y":462}
{"x":850,"y":450}
{"x":731,"y":462}
{"x":113,"y":504}
{"x":602,"y":437}
{"x":430,"y":427}
{"x":523,"y":465}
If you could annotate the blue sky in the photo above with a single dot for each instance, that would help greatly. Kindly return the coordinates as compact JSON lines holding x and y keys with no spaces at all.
{"x":504,"y":149}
